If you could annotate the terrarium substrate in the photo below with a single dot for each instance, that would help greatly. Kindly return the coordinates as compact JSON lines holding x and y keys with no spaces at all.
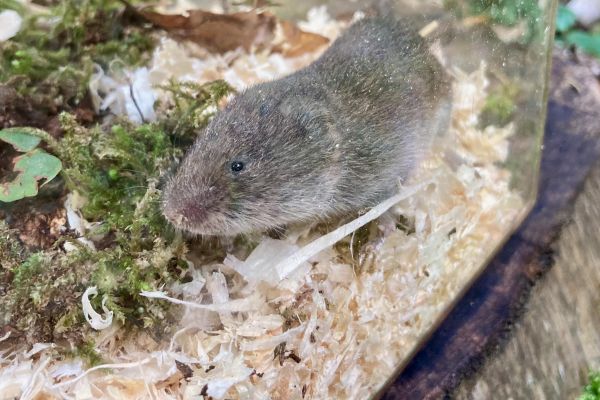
{"x":336,"y":326}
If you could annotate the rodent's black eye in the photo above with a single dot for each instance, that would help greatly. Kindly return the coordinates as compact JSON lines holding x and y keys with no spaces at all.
{"x":237,"y":166}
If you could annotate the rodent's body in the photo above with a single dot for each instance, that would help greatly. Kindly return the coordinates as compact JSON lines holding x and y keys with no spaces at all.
{"x":332,"y":138}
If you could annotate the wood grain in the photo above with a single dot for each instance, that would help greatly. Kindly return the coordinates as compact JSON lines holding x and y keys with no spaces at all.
{"x":481,"y":320}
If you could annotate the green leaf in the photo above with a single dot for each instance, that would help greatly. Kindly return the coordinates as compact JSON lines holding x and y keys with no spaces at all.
{"x":565,"y":19}
{"x":590,"y":43}
{"x":31,"y":167}
{"x":19,"y":139}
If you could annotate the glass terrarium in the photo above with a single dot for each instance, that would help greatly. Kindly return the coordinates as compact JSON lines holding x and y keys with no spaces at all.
{"x":326,"y":308}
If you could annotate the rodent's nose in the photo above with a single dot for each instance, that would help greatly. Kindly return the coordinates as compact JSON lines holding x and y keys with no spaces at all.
{"x":184,"y":208}
{"x":182,"y":211}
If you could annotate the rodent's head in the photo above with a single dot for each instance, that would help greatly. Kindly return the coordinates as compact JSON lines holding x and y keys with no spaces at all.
{"x":258,"y":165}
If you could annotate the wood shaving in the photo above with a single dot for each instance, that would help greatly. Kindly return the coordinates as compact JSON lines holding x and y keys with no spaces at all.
{"x":95,"y":320}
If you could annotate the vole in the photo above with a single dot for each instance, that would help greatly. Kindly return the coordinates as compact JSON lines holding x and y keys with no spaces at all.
{"x":327,"y":140}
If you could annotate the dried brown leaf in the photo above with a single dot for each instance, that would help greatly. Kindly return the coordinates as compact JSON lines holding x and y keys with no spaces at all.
{"x":40,"y":231}
{"x":298,"y":42}
{"x":217,"y":32}
{"x":173,"y":381}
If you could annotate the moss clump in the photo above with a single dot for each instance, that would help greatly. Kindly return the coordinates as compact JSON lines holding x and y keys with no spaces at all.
{"x":12,"y":253}
{"x":51,"y":59}
{"x":36,"y":295}
{"x":114,"y":171}
{"x":117,"y":171}
{"x":45,"y":70}
{"x":27,"y":270}
{"x":87,"y":351}
{"x":194,"y":105}
{"x":500,"y":106}
{"x":592,"y":390}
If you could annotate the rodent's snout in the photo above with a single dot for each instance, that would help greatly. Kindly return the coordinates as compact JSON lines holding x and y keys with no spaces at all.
{"x":185,"y":210}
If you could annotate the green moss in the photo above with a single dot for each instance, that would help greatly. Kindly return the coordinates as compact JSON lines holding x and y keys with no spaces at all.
{"x":87,"y":352}
{"x":12,"y":253}
{"x":500,"y":106}
{"x":117,"y":170}
{"x":114,"y":171}
{"x":44,"y":297}
{"x":51,"y":59}
{"x":42,"y":289}
{"x":506,"y":12}
{"x":12,"y":5}
{"x":29,"y":269}
{"x":195,"y":104}
{"x":592,"y":389}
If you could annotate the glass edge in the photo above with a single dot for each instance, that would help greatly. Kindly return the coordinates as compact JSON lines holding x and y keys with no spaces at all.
{"x":530,"y":203}
{"x":447,"y":310}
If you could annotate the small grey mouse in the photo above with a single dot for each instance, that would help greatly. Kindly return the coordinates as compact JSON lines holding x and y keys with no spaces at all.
{"x":330,"y":139}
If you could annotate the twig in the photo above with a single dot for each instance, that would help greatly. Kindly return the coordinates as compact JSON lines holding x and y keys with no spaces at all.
{"x":135,"y":103}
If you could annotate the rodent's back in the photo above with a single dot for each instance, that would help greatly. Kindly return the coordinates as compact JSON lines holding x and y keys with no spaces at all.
{"x":387,"y":95}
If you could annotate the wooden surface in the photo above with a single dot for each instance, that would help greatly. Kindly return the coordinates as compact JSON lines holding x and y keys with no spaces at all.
{"x":477,"y":353}
{"x":558,"y":338}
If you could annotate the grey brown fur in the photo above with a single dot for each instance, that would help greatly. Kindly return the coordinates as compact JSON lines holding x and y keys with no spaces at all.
{"x":330,"y":139}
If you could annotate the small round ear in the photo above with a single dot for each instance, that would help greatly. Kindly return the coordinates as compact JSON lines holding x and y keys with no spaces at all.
{"x":313,"y":124}
{"x":308,"y":114}
{"x":289,"y":108}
